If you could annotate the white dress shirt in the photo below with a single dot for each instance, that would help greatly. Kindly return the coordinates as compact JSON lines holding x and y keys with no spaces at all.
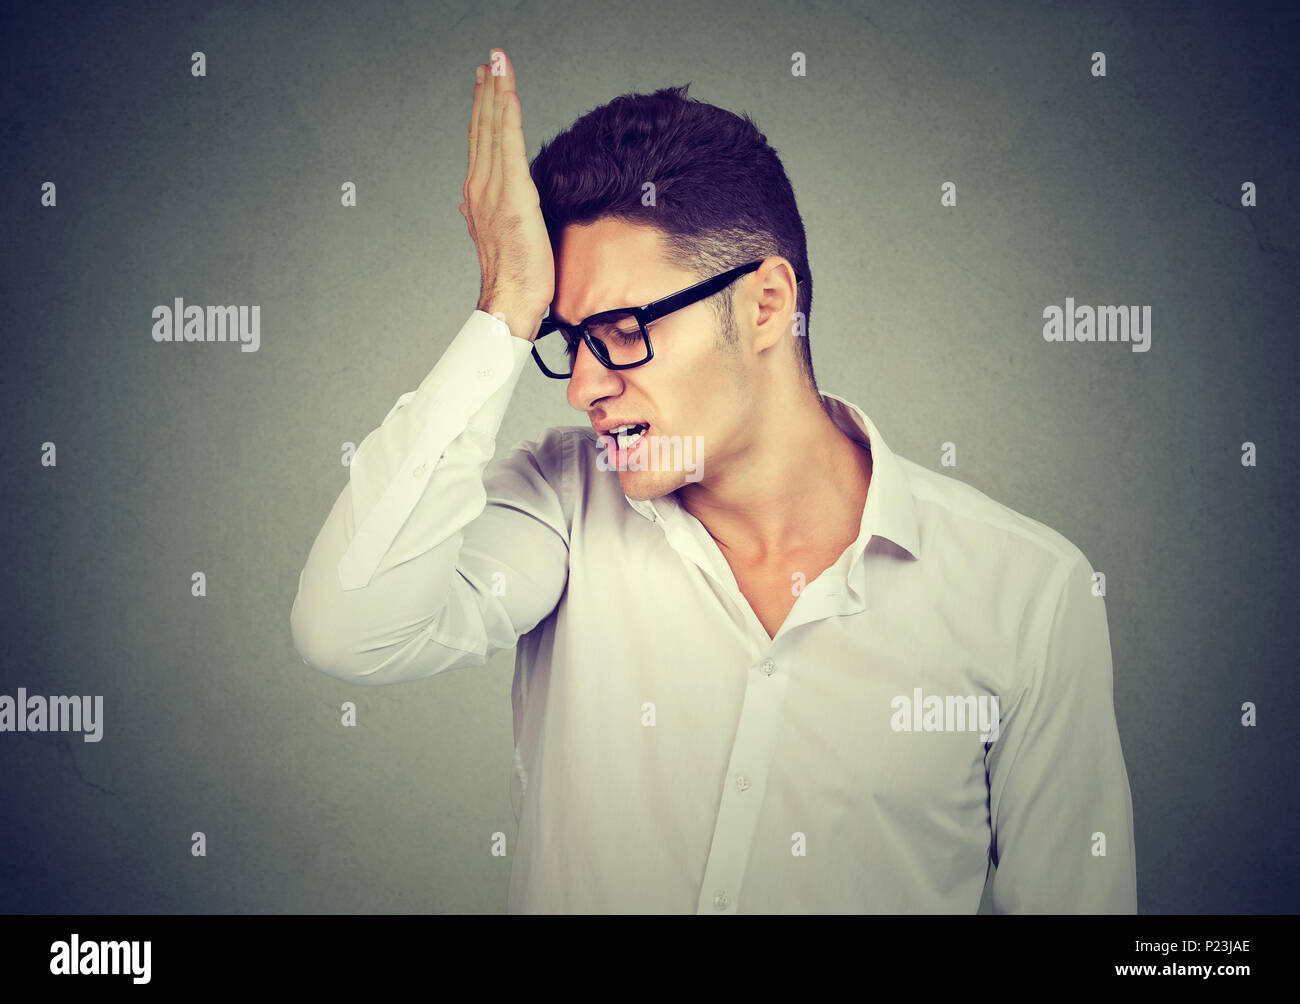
{"x":670,"y":757}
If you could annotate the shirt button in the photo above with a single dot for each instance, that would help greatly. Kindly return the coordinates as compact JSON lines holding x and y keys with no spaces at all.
{"x":742,"y":782}
{"x":768,"y":667}
{"x":485,"y":374}
{"x":419,"y":471}
{"x":720,"y":901}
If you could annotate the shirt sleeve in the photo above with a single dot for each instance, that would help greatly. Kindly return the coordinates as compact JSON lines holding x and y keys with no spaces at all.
{"x":435,"y":555}
{"x":1058,"y":789}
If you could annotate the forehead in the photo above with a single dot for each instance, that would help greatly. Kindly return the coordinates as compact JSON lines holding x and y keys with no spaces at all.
{"x":609,"y":264}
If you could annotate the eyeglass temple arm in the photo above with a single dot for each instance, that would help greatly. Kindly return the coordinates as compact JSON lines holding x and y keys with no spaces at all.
{"x":653,"y":311}
{"x":700,"y":291}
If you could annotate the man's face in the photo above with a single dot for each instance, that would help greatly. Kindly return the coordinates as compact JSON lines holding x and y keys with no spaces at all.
{"x":691,"y":389}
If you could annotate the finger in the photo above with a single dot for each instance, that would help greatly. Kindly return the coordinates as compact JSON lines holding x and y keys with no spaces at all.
{"x":504,"y":83}
{"x":505,"y":79}
{"x":492,"y":191}
{"x":483,"y":148}
{"x":514,"y":154}
{"x":473,"y":128}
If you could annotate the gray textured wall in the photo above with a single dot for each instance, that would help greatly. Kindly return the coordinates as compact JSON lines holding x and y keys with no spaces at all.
{"x":225,"y":189}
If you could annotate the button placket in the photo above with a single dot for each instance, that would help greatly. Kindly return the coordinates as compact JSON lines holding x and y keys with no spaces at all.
{"x":742,"y":801}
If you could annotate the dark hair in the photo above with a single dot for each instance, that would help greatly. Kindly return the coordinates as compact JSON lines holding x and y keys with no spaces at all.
{"x":721,"y":194}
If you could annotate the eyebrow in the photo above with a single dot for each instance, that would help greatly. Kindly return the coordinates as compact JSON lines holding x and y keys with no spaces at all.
{"x":573,"y":324}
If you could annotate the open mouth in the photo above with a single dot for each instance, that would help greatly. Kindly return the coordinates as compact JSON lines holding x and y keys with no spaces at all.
{"x":628,"y":436}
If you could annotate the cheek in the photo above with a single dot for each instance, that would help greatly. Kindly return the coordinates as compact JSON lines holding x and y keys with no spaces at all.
{"x":698,"y":386}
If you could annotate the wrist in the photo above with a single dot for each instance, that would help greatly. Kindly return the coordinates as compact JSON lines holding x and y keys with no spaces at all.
{"x":522,"y":323}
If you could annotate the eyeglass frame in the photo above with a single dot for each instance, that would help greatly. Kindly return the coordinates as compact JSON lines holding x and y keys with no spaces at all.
{"x":644,"y":315}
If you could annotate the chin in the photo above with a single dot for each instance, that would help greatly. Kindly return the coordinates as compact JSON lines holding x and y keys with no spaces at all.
{"x":645,"y":486}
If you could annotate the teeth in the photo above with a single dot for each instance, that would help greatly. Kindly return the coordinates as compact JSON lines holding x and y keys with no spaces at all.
{"x":622,"y":434}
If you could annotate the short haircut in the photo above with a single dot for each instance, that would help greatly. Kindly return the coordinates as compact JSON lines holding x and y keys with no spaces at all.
{"x":721,"y":195}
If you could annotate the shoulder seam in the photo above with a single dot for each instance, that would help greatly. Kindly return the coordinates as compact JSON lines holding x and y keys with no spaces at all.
{"x":1003,"y":517}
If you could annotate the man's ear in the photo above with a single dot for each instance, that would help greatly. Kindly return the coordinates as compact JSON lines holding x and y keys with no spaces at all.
{"x":774,"y":290}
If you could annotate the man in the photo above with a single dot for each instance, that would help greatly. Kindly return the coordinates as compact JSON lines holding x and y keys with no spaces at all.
{"x":784,"y":671}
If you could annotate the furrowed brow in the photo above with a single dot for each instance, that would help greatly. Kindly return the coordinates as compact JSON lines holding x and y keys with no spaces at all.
{"x":574,"y":324}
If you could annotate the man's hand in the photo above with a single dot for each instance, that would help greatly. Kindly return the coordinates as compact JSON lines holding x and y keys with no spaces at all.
{"x":502,"y":207}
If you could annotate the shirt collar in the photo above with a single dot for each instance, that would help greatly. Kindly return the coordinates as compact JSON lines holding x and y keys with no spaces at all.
{"x":890,"y":511}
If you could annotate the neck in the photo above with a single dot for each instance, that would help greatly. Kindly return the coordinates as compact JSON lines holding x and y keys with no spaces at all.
{"x":800,"y":484}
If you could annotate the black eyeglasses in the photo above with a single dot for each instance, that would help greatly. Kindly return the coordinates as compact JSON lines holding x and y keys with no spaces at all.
{"x":618,"y":338}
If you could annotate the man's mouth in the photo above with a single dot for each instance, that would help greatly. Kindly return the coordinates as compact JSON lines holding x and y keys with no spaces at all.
{"x":627,"y":436}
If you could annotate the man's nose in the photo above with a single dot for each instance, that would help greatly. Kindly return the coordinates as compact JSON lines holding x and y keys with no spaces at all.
{"x":590,"y":380}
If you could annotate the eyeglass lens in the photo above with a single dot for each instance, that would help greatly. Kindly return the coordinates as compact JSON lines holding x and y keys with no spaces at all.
{"x":618,"y":334}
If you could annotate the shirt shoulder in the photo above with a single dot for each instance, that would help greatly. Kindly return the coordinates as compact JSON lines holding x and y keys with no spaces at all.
{"x":958,"y":519}
{"x":552,"y":448}
{"x":570,"y":457}
{"x":584,"y":450}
